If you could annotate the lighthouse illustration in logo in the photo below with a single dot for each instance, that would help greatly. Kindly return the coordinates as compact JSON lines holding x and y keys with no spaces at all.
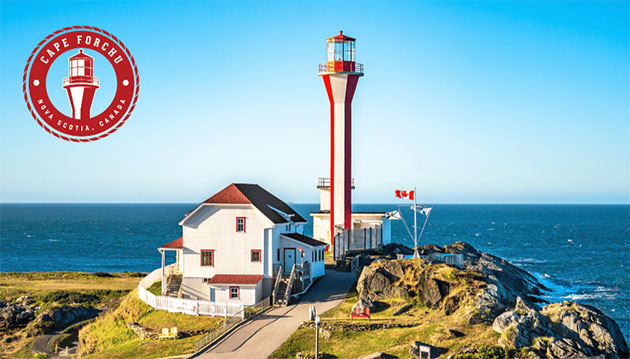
{"x":340,"y":74}
{"x":81,"y":84}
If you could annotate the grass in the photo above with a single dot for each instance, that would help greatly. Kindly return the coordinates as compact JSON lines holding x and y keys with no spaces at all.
{"x":109,"y":336}
{"x":137,"y":348}
{"x":158,"y":319}
{"x":156,"y":288}
{"x":13,"y":285}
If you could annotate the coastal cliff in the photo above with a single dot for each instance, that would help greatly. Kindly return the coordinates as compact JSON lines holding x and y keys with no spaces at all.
{"x":488,"y":291}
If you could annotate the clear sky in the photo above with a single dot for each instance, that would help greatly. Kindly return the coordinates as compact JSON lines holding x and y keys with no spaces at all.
{"x":471,"y":102}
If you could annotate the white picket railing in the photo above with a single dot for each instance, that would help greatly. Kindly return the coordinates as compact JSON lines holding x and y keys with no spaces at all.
{"x":186,"y":306}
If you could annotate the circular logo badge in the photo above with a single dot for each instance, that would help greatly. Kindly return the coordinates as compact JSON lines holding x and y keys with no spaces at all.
{"x":80,"y":85}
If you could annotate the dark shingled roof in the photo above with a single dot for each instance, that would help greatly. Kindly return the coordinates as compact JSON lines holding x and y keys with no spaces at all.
{"x":304,"y":239}
{"x":241,"y":193}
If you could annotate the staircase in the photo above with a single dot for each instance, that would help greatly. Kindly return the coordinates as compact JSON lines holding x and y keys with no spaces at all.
{"x":174,"y":285}
{"x":280,"y":298}
{"x":284,"y":287}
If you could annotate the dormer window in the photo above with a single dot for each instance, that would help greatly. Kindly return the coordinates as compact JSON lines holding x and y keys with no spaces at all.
{"x":240,"y":224}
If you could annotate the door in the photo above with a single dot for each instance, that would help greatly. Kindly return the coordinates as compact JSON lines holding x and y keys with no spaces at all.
{"x":289,"y":259}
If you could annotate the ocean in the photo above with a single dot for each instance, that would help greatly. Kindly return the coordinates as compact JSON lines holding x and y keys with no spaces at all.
{"x":579,"y":251}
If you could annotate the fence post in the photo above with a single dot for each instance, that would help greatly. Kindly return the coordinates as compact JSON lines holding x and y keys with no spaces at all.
{"x":225,"y":310}
{"x":242,"y":311}
{"x":364,"y":239}
{"x":197,"y":307}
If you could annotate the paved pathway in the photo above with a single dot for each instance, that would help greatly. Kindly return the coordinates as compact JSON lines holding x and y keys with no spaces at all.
{"x":260,"y":337}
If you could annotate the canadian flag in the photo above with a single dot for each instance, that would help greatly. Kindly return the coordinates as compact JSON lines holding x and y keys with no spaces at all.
{"x":406,"y":194}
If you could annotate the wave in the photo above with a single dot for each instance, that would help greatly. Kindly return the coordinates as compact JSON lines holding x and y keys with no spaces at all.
{"x":527,"y":261}
{"x":575,"y":292}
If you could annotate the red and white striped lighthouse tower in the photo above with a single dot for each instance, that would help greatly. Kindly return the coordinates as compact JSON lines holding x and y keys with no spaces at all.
{"x":81,"y":84}
{"x":341,"y":74}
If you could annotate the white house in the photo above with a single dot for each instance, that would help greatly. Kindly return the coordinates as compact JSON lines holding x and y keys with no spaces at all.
{"x":233,"y":245}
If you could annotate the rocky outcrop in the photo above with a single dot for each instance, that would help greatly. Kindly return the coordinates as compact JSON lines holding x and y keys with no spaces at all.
{"x":495,"y":293}
{"x":15,"y":315}
{"x":64,"y":315}
{"x":561,"y":330}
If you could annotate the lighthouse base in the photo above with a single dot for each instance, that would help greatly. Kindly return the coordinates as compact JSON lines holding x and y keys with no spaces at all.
{"x":365,"y":227}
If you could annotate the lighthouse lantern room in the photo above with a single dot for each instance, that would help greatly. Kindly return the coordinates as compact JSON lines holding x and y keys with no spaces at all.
{"x":81,"y":84}
{"x":341,"y":55}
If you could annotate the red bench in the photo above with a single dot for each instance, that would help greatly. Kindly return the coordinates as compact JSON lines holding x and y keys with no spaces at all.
{"x":360,"y":313}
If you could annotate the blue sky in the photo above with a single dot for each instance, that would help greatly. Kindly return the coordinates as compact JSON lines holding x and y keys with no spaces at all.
{"x":471,"y":102}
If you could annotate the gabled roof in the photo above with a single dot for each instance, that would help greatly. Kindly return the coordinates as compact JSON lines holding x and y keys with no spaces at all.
{"x":271,"y":206}
{"x":305,"y":239}
{"x":235,"y":279}
{"x":176,"y":244}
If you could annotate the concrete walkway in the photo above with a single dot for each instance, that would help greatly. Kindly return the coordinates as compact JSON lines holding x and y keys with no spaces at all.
{"x":260,"y":337}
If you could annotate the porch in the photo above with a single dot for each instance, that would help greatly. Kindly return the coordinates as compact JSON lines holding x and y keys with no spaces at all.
{"x":171,"y":275}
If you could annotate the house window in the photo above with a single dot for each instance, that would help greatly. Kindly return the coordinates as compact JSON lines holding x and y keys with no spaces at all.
{"x":235,"y":293}
{"x":321,"y":254}
{"x":240,"y":224}
{"x":207,"y":257}
{"x":255,"y":256}
{"x":312,"y":256}
{"x":278,"y":254}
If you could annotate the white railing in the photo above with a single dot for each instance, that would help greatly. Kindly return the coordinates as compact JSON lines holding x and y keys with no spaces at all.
{"x":186,"y":306}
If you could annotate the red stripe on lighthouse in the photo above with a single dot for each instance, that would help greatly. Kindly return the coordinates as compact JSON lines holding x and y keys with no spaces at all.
{"x":350,"y":88}
{"x":332,"y":157}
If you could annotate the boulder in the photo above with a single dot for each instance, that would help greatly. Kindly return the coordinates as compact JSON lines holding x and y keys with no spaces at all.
{"x":363,"y":303}
{"x":377,"y":281}
{"x":432,"y":291}
{"x":505,"y":320}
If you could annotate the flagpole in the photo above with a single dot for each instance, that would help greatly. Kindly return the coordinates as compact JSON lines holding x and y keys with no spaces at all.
{"x":415,"y":224}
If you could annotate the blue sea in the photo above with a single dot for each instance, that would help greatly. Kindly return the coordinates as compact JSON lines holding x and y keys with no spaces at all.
{"x":579,"y":251}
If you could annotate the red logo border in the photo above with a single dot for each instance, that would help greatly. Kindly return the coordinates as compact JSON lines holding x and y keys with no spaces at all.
{"x":80,"y":139}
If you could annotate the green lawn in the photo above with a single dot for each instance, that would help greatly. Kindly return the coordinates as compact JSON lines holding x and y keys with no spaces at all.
{"x":109,"y":336}
{"x":137,"y":348}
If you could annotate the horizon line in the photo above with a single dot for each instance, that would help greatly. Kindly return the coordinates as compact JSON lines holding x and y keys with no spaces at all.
{"x":363,"y":203}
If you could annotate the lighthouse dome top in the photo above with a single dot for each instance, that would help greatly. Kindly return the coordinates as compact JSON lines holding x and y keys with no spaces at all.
{"x":340,"y":37}
{"x":80,"y":55}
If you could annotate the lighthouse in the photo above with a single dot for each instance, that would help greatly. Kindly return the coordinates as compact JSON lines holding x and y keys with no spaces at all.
{"x":340,"y":74}
{"x":81,"y":84}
